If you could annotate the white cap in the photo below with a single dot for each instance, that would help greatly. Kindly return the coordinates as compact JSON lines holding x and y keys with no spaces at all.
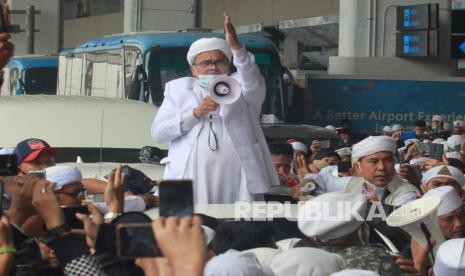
{"x":265,"y":254}
{"x":452,"y":154}
{"x":234,"y":262}
{"x":208,"y":44}
{"x":387,"y":129}
{"x":306,"y":261}
{"x":455,"y":140}
{"x":459,"y":123}
{"x":444,"y":171}
{"x":344,"y":151}
{"x":329,"y":215}
{"x":331,"y":127}
{"x":437,"y":118}
{"x":355,"y":272}
{"x":299,"y":146}
{"x":372,"y":144}
{"x":450,"y":258}
{"x":450,"y":200}
{"x":397,"y":127}
{"x":62,"y":175}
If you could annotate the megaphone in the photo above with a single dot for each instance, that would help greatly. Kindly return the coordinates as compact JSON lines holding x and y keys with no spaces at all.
{"x":419,"y":219}
{"x":225,"y":90}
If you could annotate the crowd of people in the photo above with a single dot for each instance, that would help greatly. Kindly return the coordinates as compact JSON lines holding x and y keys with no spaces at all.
{"x":223,"y":150}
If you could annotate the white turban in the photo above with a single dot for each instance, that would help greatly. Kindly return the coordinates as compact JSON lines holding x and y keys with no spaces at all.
{"x":459,"y":123}
{"x":306,"y":261}
{"x":387,"y":129}
{"x":450,"y":199}
{"x":234,"y":262}
{"x":437,"y":118}
{"x":444,"y":171}
{"x":397,"y":127}
{"x":330,"y":127}
{"x":438,"y":141}
{"x":62,"y":175}
{"x":299,"y":146}
{"x":329,"y":215}
{"x":450,"y":258}
{"x":344,"y":151}
{"x":454,"y":140}
{"x":372,"y":144}
{"x":208,"y":44}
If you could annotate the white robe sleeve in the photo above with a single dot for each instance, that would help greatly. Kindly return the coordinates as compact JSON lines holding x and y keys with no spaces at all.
{"x":329,"y":182}
{"x":168,"y":123}
{"x":252,"y":82}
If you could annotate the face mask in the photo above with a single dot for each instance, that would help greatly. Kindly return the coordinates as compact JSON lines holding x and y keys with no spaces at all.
{"x":205,"y":80}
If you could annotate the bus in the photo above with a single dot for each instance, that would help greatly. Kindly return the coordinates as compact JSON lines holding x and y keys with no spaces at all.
{"x":137,"y":65}
{"x":34,"y":74}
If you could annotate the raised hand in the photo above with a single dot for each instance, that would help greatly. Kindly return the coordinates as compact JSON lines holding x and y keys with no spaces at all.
{"x":230,"y":33}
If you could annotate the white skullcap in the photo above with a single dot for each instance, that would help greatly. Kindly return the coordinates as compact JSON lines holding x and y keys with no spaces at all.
{"x":306,"y":261}
{"x":452,"y":154}
{"x":438,"y":141}
{"x":234,"y":262}
{"x":208,"y":44}
{"x":397,"y":127}
{"x":299,"y":146}
{"x":444,"y":171}
{"x":459,"y":123}
{"x":446,"y":126}
{"x":62,"y":175}
{"x":450,"y":199}
{"x":344,"y":151}
{"x":450,"y":258}
{"x":437,"y":118}
{"x":454,"y":140}
{"x":265,"y":254}
{"x":4,"y":151}
{"x":355,"y":272}
{"x":331,"y":127}
{"x":329,"y":215}
{"x":372,"y":144}
{"x":411,"y":141}
{"x":387,"y":129}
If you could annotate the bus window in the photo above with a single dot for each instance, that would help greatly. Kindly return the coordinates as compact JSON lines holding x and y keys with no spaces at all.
{"x":41,"y":80}
{"x":132,"y":58}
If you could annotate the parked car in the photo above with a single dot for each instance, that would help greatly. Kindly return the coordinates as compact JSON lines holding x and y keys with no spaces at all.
{"x":102,"y":132}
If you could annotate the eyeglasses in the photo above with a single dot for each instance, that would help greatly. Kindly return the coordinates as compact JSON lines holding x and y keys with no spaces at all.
{"x":221,"y":63}
{"x":80,"y":194}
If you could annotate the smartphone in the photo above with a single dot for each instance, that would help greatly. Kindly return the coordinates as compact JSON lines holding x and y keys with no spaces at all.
{"x":325,"y":144}
{"x":70,"y":216}
{"x":136,"y":240}
{"x":8,"y":166}
{"x":3,"y":25}
{"x":344,"y":166}
{"x":418,"y":172}
{"x":40,"y":174}
{"x":176,"y":198}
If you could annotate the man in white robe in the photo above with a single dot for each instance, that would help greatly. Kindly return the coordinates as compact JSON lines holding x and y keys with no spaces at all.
{"x":221,"y":148}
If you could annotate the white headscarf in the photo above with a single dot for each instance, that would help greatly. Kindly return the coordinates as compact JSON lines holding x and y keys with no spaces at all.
{"x":236,"y":263}
{"x":208,"y":44}
{"x":299,"y":146}
{"x":306,"y":261}
{"x":372,"y":144}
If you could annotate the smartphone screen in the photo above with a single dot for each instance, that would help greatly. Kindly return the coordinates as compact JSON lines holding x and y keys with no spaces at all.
{"x":176,"y":198}
{"x":40,"y":174}
{"x":8,"y":166}
{"x":134,"y":240}
{"x":325,"y":144}
{"x":437,"y":150}
{"x":344,"y":166}
{"x":70,"y":216}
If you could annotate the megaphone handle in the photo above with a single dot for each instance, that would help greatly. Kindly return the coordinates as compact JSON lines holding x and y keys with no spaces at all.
{"x":213,"y":147}
{"x":427,"y":234}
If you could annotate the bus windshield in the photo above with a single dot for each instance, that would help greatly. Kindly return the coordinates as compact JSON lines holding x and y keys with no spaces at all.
{"x":170,"y":63}
{"x":41,"y":80}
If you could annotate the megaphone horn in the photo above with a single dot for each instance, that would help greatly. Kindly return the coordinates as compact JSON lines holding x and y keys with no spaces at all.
{"x":419,"y":219}
{"x":225,"y":90}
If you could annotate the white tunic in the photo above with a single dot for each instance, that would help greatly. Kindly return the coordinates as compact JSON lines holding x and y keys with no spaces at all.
{"x":210,"y":169}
